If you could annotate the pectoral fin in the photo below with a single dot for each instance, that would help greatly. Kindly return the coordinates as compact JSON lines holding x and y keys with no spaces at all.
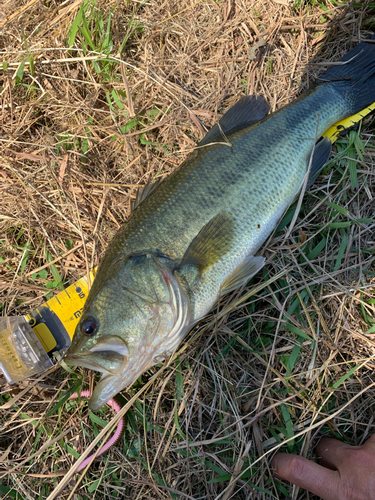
{"x":247,"y":111}
{"x":246,"y":270}
{"x":212,"y":242}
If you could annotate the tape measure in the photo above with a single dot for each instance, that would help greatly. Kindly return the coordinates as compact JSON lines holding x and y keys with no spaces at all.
{"x":28,"y":343}
{"x":333,"y":132}
{"x":55,"y":321}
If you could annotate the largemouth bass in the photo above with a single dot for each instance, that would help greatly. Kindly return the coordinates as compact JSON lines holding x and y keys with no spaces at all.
{"x":195,"y":235}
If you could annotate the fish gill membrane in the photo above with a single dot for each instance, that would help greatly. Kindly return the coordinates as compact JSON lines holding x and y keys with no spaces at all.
{"x":194,"y":236}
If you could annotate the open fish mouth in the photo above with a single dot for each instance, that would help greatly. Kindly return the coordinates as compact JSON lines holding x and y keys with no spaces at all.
{"x":118,"y":371}
{"x":108,"y":362}
{"x":109,"y":355}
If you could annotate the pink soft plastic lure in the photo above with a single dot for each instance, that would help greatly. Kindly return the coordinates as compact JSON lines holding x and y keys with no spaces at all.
{"x":120,"y":428}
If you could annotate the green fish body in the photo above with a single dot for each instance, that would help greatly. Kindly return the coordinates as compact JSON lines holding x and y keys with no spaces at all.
{"x":194,"y":236}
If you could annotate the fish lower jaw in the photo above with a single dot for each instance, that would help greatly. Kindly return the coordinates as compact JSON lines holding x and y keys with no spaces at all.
{"x":91,"y":361}
{"x":111,"y":384}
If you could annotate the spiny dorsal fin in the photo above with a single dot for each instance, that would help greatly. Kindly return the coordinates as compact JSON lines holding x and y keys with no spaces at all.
{"x":321,"y":153}
{"x":212,"y":242}
{"x":244,"y":272}
{"x":143,"y":192}
{"x":247,"y":111}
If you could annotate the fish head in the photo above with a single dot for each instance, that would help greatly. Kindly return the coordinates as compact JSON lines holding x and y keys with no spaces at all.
{"x":133,"y":318}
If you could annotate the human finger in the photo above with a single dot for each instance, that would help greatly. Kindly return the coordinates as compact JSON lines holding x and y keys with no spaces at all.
{"x":332,"y":452}
{"x":306,"y":474}
{"x":370,"y":443}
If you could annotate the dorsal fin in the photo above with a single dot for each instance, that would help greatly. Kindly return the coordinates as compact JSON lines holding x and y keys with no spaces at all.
{"x":212,"y":242}
{"x":247,"y":111}
{"x":143,"y":192}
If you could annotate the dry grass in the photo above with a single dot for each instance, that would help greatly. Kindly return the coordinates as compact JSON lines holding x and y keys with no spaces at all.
{"x":286,"y":361}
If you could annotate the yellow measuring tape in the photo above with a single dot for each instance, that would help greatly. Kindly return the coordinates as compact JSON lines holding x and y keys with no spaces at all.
{"x":334,"y":131}
{"x":27,"y":345}
{"x":67,"y":307}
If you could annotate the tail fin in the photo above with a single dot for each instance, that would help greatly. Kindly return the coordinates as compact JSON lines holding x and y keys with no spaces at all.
{"x":355,"y":78}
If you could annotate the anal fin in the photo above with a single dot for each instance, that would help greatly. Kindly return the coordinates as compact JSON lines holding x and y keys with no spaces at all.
{"x":320,"y":153}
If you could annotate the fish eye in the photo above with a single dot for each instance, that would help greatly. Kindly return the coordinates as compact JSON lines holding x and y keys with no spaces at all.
{"x":88,"y":327}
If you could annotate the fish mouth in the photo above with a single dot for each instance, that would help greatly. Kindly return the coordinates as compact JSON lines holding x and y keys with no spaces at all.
{"x":109,"y":355}
{"x":111,"y":384}
{"x":119,"y":369}
{"x":112,"y":362}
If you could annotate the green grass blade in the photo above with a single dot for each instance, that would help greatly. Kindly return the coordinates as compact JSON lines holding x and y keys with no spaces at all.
{"x":351,"y":153}
{"x":288,"y":426}
{"x":346,"y":376}
{"x":317,"y":249}
{"x":65,"y":398}
{"x":340,"y":210}
{"x":342,"y":249}
{"x":298,"y":331}
{"x":19,"y":73}
{"x":117,"y":100}
{"x":57,"y":280}
{"x":74,"y":28}
{"x":293,"y":358}
{"x":339,"y":225}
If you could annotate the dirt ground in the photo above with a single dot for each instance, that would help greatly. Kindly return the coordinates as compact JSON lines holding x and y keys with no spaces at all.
{"x":100,"y":97}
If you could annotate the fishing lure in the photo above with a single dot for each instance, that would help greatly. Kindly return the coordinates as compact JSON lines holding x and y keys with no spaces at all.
{"x":116,"y":436}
